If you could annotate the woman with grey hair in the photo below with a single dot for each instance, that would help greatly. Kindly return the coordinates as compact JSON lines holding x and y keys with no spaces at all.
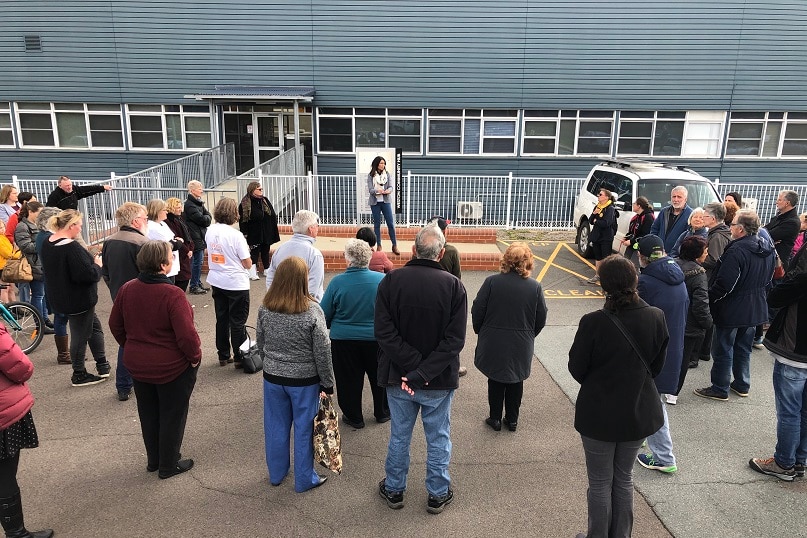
{"x":697,"y":227}
{"x":349,"y":306}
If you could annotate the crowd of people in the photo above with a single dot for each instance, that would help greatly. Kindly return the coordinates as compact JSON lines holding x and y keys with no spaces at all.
{"x":725,"y":281}
{"x":403,"y":330}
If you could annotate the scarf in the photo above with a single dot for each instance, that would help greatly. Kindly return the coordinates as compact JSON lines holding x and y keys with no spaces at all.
{"x":246,"y":207}
{"x":600,"y":209}
{"x":154,"y":278}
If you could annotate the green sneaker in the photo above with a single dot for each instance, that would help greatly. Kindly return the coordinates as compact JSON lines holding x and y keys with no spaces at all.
{"x":649,"y":462}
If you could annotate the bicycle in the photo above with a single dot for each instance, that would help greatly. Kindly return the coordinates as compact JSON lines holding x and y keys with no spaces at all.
{"x":24,"y":324}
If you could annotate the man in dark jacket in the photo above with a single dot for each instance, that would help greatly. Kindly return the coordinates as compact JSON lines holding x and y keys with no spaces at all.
{"x":737,"y":295}
{"x":714,"y":216}
{"x":661,"y":284}
{"x":119,"y":257}
{"x":198,"y":219}
{"x":420,"y":318}
{"x":67,"y":195}
{"x":450,"y":261}
{"x":672,"y":220}
{"x":784,"y":226}
{"x":786,"y":339}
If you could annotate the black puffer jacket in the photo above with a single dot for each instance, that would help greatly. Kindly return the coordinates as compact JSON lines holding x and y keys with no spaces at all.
{"x":787,"y":335}
{"x":699,"y":318}
{"x":198,"y":218}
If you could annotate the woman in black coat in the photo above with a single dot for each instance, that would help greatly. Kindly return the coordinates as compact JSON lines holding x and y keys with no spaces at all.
{"x":693,"y":252}
{"x":618,"y":405}
{"x":508,"y":313}
{"x":257,"y":220}
{"x":603,"y":229}
{"x":639,"y":227}
{"x":177,"y":225}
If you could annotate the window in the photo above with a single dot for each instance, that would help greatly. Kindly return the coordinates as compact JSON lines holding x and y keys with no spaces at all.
{"x":567,"y":132}
{"x":670,"y":134}
{"x":70,"y":125}
{"x":795,"y":139}
{"x":6,"y":131}
{"x":472,"y":132}
{"x":171,"y":127}
{"x":767,"y":134}
{"x":341,"y":130}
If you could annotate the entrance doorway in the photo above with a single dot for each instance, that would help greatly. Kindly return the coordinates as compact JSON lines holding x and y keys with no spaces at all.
{"x":268,"y":142}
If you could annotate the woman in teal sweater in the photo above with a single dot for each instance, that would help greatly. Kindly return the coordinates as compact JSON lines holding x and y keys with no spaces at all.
{"x":349,"y":306}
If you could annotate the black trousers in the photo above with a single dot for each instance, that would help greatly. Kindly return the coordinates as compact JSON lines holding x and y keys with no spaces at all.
{"x":261,"y":251}
{"x":507,"y":395}
{"x":692,"y":346}
{"x":232,"y":310}
{"x":352,"y":360}
{"x":8,"y":476}
{"x":163,"y":411}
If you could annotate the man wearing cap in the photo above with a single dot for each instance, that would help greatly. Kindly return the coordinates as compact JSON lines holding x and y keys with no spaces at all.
{"x":661,"y":284}
{"x":737,"y":295}
{"x":672,"y":220}
{"x":450,"y":262}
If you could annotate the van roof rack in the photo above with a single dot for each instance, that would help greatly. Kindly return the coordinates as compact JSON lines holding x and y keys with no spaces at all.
{"x":641,"y":163}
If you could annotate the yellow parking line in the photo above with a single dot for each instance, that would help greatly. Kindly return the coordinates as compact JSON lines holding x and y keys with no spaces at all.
{"x":549,"y":263}
{"x":582,"y":259}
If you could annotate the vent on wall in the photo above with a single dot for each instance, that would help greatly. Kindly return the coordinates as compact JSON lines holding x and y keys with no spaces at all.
{"x":33,"y":43}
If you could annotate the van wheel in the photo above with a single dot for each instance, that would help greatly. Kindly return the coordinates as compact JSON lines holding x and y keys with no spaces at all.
{"x":583,"y":247}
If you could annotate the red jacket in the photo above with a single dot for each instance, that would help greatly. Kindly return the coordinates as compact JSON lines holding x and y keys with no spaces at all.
{"x":153,"y":321}
{"x":16,"y":368}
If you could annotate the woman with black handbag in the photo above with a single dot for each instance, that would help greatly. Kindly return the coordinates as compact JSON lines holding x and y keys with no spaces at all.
{"x":615,"y":355}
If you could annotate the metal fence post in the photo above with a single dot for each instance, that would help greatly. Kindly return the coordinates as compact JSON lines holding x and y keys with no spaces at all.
{"x":15,"y":182}
{"x":310,"y":192}
{"x":507,"y":224}
{"x":408,"y":197}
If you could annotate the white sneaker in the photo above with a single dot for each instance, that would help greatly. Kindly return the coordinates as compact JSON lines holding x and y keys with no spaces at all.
{"x":672,"y":399}
{"x":253,"y":273}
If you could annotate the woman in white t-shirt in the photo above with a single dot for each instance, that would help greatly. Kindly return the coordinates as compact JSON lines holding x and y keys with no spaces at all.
{"x":228,"y":263}
{"x":158,"y":229}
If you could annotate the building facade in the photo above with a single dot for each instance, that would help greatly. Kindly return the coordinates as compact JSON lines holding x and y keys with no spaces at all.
{"x":537,"y":88}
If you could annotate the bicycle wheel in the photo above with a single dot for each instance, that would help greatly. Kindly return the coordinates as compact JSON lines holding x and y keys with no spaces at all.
{"x":28,"y":334}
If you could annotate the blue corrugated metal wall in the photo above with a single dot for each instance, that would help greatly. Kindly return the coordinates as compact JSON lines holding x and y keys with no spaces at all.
{"x":634,"y":55}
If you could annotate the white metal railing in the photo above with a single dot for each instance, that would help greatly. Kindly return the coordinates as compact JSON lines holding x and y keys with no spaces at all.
{"x":288,"y":163}
{"x":211,"y":167}
{"x":761,"y":197}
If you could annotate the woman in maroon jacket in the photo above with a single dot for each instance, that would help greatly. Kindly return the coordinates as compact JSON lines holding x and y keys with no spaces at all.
{"x":153,"y":321}
{"x":17,"y":431}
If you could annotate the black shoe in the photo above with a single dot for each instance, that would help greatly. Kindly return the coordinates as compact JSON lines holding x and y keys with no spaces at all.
{"x":322,"y":480}
{"x":151,"y":467}
{"x":48,"y":330}
{"x":437,"y":504}
{"x":181,"y":467}
{"x":705,"y":358}
{"x":85,"y":379}
{"x":48,"y":323}
{"x":123,"y":395}
{"x":103,"y":369}
{"x":382,"y":420}
{"x":356,"y":425}
{"x":712,"y":394}
{"x":494,"y":423}
{"x":205,"y":288}
{"x":510,"y":425}
{"x":394,"y":500}
{"x":238,"y":365}
{"x":693,"y":364}
{"x":197,"y":291}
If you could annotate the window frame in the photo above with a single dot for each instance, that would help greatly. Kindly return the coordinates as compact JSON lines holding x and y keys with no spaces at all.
{"x":6,"y":109}
{"x":165,"y":111}
{"x":560,"y":116}
{"x":53,"y":110}
{"x":355,"y":115}
{"x":691,"y":119}
{"x":464,"y":117}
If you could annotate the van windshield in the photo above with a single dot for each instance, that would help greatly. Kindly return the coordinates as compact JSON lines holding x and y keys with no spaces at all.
{"x":657,"y":191}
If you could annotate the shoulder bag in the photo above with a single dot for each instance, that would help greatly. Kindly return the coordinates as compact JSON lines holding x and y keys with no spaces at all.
{"x":327,"y":443}
{"x":250,"y":357}
{"x":629,"y":338}
{"x":17,"y":270}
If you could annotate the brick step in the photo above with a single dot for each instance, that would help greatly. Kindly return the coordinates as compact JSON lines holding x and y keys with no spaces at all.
{"x":453,"y":235}
{"x":469,"y":261}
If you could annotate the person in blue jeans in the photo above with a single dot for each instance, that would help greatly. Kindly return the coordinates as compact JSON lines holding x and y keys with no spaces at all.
{"x":420,"y":318}
{"x":198,"y":218}
{"x":380,"y":187}
{"x":737,"y":293}
{"x":786,"y":340}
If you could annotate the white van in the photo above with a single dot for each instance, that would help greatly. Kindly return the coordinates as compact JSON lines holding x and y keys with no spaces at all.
{"x":628,"y":179}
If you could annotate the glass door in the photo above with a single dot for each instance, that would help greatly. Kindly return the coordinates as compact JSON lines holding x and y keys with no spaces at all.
{"x":268,"y":141}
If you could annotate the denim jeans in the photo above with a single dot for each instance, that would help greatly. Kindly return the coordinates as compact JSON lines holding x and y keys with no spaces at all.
{"x":610,"y":487}
{"x":790,"y":390}
{"x":60,"y":324}
{"x":196,"y":268}
{"x":283,"y":406}
{"x":38,"y":297}
{"x":731,"y":351}
{"x":24,"y":292}
{"x":660,"y":443}
{"x":123,"y":379}
{"x":435,"y":412}
{"x":386,"y":209}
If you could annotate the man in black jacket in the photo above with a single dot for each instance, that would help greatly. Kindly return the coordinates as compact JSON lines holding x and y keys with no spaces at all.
{"x":787,"y":342}
{"x":67,"y":195}
{"x":119,"y":257}
{"x":198,"y":218}
{"x":420,"y":316}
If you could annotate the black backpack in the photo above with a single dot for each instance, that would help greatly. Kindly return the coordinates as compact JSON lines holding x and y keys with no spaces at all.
{"x":615,"y":225}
